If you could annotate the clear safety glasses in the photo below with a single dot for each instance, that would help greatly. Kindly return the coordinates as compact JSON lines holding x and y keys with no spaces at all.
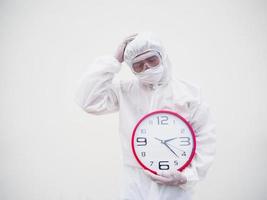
{"x":145,"y":61}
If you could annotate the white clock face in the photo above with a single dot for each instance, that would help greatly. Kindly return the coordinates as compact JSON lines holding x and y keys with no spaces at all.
{"x":163,"y":140}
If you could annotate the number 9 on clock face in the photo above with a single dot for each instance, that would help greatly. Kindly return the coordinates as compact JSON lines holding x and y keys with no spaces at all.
{"x":163,"y":140}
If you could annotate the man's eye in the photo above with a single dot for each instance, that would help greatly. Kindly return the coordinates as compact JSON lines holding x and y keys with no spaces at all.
{"x":138,"y":67}
{"x":151,"y":60}
{"x":136,"y":64}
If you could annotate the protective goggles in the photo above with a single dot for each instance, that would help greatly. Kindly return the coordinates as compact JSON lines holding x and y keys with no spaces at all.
{"x":145,"y":61}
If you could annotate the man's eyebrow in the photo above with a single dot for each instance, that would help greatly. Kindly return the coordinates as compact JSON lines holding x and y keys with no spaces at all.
{"x":150,"y":57}
{"x":138,"y":62}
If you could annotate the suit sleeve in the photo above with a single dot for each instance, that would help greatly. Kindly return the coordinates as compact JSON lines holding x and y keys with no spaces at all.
{"x":96,"y":93}
{"x":204,"y":126}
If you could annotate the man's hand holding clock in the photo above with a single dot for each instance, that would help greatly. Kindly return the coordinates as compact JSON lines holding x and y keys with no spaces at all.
{"x":172,"y":178}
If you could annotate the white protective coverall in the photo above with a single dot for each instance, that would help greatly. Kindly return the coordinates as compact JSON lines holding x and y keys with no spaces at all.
{"x":98,"y":94}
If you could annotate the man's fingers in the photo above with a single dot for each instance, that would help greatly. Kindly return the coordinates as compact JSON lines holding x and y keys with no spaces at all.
{"x":157,"y":178}
{"x":130,"y":38}
{"x":167,"y":177}
{"x":169,"y":174}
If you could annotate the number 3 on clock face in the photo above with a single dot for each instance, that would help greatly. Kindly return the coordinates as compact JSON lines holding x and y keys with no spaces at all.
{"x":163,"y":140}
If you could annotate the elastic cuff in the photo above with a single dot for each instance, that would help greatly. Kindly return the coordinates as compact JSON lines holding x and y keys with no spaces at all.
{"x":191,"y":178}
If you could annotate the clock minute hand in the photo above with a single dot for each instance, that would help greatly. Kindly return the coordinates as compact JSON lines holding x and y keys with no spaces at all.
{"x":164,"y":142}
{"x":171,"y":150}
{"x":176,"y":148}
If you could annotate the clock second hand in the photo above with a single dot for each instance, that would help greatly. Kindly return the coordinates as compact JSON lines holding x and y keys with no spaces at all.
{"x":164,"y":142}
{"x":176,"y":148}
{"x":171,"y":150}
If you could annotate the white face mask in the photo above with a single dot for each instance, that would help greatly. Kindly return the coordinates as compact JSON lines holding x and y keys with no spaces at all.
{"x":152,"y":75}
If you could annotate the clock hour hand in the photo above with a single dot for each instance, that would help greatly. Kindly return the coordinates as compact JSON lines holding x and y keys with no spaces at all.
{"x":165,"y":141}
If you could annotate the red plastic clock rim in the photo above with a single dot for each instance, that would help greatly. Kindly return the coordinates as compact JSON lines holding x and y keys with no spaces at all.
{"x":177,"y":115}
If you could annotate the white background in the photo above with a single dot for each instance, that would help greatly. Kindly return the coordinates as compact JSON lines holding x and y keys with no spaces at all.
{"x":50,"y":149}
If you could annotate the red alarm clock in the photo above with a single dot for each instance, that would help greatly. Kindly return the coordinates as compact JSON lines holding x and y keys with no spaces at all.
{"x":163,"y":140}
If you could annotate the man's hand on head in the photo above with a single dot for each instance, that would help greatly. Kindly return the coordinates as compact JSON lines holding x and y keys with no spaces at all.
{"x":120,"y":50}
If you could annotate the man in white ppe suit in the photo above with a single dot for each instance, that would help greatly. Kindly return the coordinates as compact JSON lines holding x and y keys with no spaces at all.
{"x":153,"y":89}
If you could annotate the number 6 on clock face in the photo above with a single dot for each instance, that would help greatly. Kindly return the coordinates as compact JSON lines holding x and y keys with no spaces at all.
{"x":163,"y":140}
